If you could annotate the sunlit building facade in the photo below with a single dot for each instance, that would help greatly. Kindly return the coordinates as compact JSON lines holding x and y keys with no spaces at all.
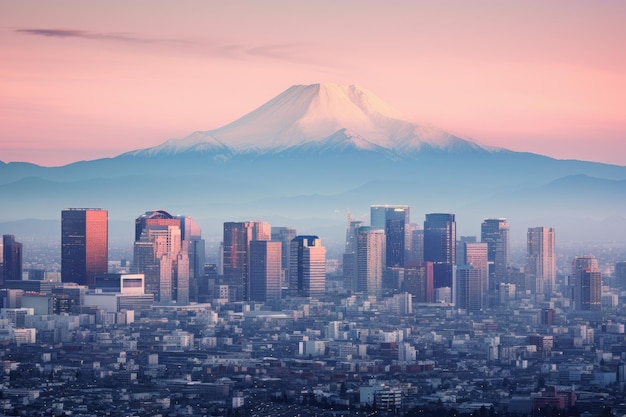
{"x":161,"y":254}
{"x":84,"y":245}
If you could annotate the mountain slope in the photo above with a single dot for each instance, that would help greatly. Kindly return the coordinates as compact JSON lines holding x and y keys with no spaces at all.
{"x":309,"y":114}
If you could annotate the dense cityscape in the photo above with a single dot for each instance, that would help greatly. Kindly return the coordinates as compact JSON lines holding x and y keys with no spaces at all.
{"x":407,"y":319}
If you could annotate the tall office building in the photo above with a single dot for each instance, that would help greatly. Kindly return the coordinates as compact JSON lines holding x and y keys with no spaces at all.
{"x":284,"y":235}
{"x":265,"y":270}
{"x":11,"y":259}
{"x":415,"y":252}
{"x":418,"y":281}
{"x":540,"y":268}
{"x":495,"y":233}
{"x":619,"y":278}
{"x":394,"y":220}
{"x":370,"y":260}
{"x":84,"y":245}
{"x":440,"y":247}
{"x":307,"y":270}
{"x":235,"y":258}
{"x":469,"y":293}
{"x":161,"y":254}
{"x":475,"y":255}
{"x":349,"y":255}
{"x":587,"y":282}
{"x":196,"y":251}
{"x":460,"y":248}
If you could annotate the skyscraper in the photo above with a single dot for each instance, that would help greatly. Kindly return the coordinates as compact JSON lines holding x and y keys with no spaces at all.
{"x":237,"y":238}
{"x":469,"y":289}
{"x":265,"y":270}
{"x":495,"y":233}
{"x":440,"y":246}
{"x":587,"y":282}
{"x":84,"y":245}
{"x":161,"y":254}
{"x":349,"y":256}
{"x":619,"y":278}
{"x":192,"y":235}
{"x":284,"y":235}
{"x":370,"y":260}
{"x":418,"y":281}
{"x":11,"y":259}
{"x":394,"y":220}
{"x":476,"y":255}
{"x":307,"y":270}
{"x":415,"y":253}
{"x":540,"y":268}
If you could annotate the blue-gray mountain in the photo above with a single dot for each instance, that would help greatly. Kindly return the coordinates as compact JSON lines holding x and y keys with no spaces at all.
{"x":310,"y":154}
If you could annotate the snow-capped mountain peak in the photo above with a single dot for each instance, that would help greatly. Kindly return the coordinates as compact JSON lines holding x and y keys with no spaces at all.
{"x":310,"y":114}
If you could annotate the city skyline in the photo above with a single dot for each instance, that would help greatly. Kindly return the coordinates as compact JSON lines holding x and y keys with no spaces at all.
{"x":559,"y":95}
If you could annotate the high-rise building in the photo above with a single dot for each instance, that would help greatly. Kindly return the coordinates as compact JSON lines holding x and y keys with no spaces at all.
{"x":619,"y":278}
{"x":84,"y":245}
{"x":196,"y":251}
{"x":349,"y":255}
{"x":460,"y":248}
{"x":469,"y":289}
{"x":370,"y":260}
{"x":307,"y":270}
{"x":415,"y":253}
{"x":440,"y":247}
{"x":418,"y":281}
{"x":235,"y":262}
{"x":11,"y":259}
{"x":161,"y":254}
{"x":587,"y":282}
{"x":540,"y":268}
{"x":475,"y":255}
{"x":284,"y":235}
{"x":394,"y":220}
{"x":265,"y":270}
{"x":495,"y":233}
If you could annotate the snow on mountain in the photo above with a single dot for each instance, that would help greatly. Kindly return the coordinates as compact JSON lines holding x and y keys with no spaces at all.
{"x":314,"y":114}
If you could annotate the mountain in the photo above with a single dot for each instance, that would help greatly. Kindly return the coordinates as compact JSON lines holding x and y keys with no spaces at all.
{"x":317,"y":114}
{"x":307,"y":156}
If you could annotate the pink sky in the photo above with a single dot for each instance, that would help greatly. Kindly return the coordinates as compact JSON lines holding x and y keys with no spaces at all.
{"x":84,"y":80}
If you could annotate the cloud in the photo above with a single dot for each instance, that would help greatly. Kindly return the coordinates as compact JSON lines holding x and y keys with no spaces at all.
{"x":83,"y":34}
{"x":279,"y":51}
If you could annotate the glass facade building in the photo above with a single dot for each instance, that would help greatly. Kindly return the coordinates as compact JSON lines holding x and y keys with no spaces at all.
{"x":84,"y":245}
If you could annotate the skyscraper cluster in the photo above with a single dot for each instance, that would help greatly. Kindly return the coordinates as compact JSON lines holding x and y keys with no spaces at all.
{"x":261,"y":263}
{"x":169,"y":251}
{"x":258,"y":261}
{"x":434,"y":265}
